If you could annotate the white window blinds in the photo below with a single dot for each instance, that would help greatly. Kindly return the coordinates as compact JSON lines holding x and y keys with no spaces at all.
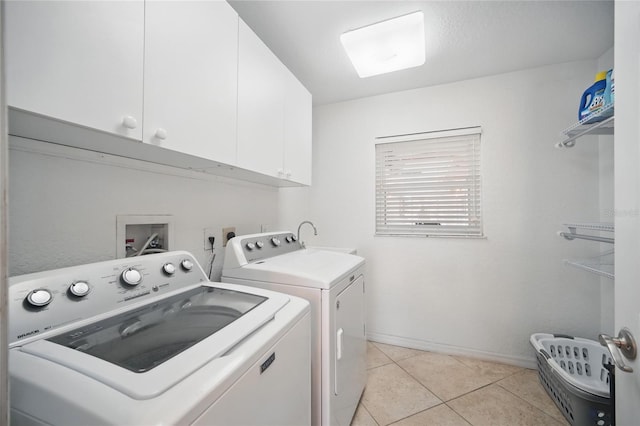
{"x":429,"y":184}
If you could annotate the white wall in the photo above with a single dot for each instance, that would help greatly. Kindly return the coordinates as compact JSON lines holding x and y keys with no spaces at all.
{"x":64,"y":202}
{"x":483,"y":297}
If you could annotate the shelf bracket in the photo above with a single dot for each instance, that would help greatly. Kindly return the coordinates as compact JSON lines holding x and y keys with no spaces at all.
{"x":571,"y":140}
{"x":571,"y":235}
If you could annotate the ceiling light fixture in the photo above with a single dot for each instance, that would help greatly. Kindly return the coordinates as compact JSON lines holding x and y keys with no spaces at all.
{"x":387,"y":46}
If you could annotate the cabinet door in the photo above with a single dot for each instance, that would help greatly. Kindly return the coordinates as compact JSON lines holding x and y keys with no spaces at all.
{"x":260,"y":106}
{"x":297,"y":131}
{"x":77,"y":61}
{"x":190,"y":77}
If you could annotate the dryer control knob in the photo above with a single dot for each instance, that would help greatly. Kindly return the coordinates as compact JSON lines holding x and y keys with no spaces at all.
{"x":275,"y":241}
{"x":187,"y":265}
{"x":168,"y":268}
{"x":259,"y":244}
{"x":250,"y":246}
{"x":294,"y":238}
{"x":79,"y":288}
{"x":39,"y":297}
{"x":131,"y":277}
{"x":289,"y":239}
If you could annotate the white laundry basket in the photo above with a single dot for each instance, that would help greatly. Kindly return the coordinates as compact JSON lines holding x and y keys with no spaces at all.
{"x":572,"y":371}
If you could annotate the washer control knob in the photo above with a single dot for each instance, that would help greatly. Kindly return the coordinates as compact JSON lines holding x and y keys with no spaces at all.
{"x":39,"y":297}
{"x":289,"y":239}
{"x":250,"y":246}
{"x":294,"y":238}
{"x":79,"y":288}
{"x":131,"y":277}
{"x":275,"y":241}
{"x":169,"y":268}
{"x":186,"y":264}
{"x":259,"y":244}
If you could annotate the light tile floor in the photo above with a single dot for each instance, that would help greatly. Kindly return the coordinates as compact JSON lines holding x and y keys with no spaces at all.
{"x":408,"y":387}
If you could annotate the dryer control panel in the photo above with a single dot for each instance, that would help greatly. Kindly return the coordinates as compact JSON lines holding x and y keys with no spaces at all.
{"x":256,"y":247}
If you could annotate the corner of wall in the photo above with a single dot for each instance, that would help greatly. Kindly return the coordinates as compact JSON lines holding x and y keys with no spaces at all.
{"x":605,"y":200}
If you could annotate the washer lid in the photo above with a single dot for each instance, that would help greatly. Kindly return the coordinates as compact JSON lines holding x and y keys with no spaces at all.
{"x":145,"y":351}
{"x":308,"y":268}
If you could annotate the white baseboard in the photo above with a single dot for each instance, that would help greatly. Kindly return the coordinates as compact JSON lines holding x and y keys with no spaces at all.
{"x":423,"y":345}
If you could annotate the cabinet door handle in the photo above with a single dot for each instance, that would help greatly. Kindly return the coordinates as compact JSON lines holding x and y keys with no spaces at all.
{"x":129,"y":122}
{"x":161,"y":133}
{"x":339,"y":344}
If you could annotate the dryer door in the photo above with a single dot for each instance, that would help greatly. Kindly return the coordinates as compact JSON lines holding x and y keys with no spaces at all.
{"x":350,"y":347}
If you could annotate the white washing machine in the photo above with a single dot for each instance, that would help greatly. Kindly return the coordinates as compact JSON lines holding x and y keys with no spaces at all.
{"x":150,"y":341}
{"x":334,"y":284}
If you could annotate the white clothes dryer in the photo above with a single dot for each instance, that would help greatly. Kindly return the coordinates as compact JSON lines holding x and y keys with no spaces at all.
{"x":150,"y":341}
{"x":333,"y":282}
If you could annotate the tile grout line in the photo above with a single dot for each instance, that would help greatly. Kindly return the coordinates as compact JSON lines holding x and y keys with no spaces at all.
{"x":420,"y":383}
{"x":415,"y":414}
{"x":495,"y":382}
{"x":459,"y":396}
{"x":442,"y":402}
{"x":520,"y":371}
{"x":436,"y":395}
{"x":410,"y":375}
{"x":527,"y":402}
{"x":459,"y":414}
{"x":393,"y":360}
{"x":368,"y":412}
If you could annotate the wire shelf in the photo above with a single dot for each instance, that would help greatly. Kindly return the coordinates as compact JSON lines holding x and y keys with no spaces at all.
{"x":603,"y":270}
{"x":603,"y":265}
{"x":593,"y":226}
{"x":582,"y":128}
{"x":589,"y":226}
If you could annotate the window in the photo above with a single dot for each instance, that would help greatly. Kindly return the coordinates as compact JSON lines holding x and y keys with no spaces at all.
{"x":428,"y":184}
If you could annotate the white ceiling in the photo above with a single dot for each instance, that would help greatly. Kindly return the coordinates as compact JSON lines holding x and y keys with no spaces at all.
{"x":464,"y":39}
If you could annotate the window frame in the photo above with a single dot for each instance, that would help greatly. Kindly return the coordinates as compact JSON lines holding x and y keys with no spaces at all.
{"x":474,"y":228}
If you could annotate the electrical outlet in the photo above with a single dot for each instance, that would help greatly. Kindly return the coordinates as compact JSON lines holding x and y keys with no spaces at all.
{"x":225,"y":234}
{"x":206,"y":233}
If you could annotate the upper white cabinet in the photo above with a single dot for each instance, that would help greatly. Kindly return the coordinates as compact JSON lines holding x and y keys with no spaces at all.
{"x":77,"y":61}
{"x":260,"y":105}
{"x":297,"y":131}
{"x":187,"y":78}
{"x":191,"y":78}
{"x":274,"y":114}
